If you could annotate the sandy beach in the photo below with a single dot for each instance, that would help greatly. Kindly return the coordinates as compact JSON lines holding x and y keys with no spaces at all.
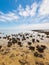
{"x":24,"y":49}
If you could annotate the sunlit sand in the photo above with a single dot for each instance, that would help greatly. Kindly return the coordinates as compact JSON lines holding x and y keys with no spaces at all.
{"x":24,"y":49}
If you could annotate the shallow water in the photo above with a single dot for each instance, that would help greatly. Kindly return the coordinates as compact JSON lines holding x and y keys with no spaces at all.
{"x":7,"y":32}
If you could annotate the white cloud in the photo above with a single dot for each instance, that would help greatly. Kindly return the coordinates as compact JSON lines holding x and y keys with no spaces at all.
{"x":34,"y":26}
{"x":22,"y":12}
{"x":2,"y":20}
{"x":31,"y":10}
{"x":28,"y":11}
{"x":44,"y":8}
{"x":8,"y":16}
{"x":27,"y":27}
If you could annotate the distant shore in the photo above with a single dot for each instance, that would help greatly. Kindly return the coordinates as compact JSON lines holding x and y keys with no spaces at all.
{"x":46,"y":31}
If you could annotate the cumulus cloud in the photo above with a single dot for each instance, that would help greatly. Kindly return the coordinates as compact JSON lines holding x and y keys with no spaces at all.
{"x":44,"y":8}
{"x":8,"y":16}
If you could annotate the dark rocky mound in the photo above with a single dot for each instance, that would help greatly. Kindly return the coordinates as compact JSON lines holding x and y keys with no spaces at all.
{"x":36,"y":54}
{"x":30,"y":35}
{"x":37,"y":40}
{"x":33,"y":40}
{"x":47,"y":36}
{"x":27,"y":37}
{"x":0,"y":37}
{"x":9,"y":44}
{"x":14,"y":40}
{"x":20,"y":44}
{"x":32,"y":48}
{"x":4,"y":37}
{"x":23,"y":38}
{"x":39,"y":63}
{"x":29,"y":43}
{"x":41,"y":48}
{"x":18,"y":39}
{"x":0,"y":46}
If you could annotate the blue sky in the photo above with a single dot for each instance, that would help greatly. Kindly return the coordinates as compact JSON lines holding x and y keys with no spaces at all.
{"x":24,"y":14}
